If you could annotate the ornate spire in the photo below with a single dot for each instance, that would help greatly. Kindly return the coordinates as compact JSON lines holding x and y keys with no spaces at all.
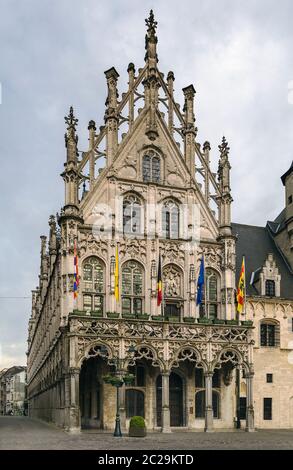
{"x":224,"y":149}
{"x":151,"y":41}
{"x":224,"y":167}
{"x":52,"y":238}
{"x":71,"y":138}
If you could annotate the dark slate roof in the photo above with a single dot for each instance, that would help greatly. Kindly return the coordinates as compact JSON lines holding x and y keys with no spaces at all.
{"x":256,"y":243}
{"x":284,"y":176}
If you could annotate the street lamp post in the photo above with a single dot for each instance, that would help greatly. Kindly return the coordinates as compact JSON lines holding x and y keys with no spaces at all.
{"x":117,"y":380}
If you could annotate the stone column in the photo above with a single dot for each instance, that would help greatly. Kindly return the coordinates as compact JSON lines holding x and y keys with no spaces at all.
{"x":165,"y":403}
{"x":72,"y":412}
{"x":209,"y":425}
{"x":250,"y":407}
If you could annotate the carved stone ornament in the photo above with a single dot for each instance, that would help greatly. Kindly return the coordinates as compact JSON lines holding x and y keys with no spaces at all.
{"x":92,"y":244}
{"x":172,"y":281}
{"x":134,"y":248}
{"x":172,"y":252}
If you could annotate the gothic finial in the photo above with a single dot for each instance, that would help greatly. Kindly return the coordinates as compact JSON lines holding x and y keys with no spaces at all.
{"x":71,"y":122}
{"x":92,"y":125}
{"x":206,"y":146}
{"x":151,"y":40}
{"x":224,"y":167}
{"x":224,"y":149}
{"x":52,"y":222}
{"x":150,"y":21}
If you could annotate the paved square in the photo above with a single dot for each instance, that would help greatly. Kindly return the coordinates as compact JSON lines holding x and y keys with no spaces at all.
{"x":24,"y":433}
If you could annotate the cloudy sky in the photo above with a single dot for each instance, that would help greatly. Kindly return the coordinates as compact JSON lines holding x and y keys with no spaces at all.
{"x":53,"y":54}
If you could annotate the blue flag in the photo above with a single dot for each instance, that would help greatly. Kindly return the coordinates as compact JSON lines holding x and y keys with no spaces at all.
{"x":200,"y":283}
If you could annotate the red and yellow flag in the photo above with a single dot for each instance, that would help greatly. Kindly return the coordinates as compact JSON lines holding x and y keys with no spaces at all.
{"x":241,"y":289}
{"x":159,"y":284}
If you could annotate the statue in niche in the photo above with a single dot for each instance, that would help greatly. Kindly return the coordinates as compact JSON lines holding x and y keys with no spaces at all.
{"x":172,"y":282}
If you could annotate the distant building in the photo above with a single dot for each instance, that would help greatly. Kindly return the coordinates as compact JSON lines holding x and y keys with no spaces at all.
{"x":13,"y":391}
{"x":269,"y":278}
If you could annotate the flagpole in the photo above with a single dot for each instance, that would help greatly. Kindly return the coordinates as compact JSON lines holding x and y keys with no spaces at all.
{"x":244,"y":263}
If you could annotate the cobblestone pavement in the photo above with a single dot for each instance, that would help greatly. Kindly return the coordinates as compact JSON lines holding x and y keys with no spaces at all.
{"x":24,"y":433}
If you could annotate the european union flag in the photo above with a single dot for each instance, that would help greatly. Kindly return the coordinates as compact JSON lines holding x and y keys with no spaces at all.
{"x":200,"y":283}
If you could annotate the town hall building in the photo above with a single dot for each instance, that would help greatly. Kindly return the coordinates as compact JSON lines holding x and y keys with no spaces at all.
{"x":145,"y":190}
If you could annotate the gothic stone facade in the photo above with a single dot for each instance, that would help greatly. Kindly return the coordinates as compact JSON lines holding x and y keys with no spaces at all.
{"x":141,"y":190}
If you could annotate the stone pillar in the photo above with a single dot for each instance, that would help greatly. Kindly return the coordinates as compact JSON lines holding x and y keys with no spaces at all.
{"x":250,"y":407}
{"x":170,"y":82}
{"x":165,"y":403}
{"x":189,"y":130}
{"x":111,"y":116}
{"x":131,"y":80}
{"x":72,"y":412}
{"x":208,"y":402}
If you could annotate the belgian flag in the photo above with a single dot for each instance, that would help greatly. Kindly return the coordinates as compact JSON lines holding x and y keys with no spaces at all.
{"x":159,"y":283}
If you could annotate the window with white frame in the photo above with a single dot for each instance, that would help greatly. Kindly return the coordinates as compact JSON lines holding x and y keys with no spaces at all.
{"x":151,"y":167}
{"x":93,"y":285}
{"x":170,"y":219}
{"x":211,"y":296}
{"x":131,"y":215}
{"x":132,"y":288}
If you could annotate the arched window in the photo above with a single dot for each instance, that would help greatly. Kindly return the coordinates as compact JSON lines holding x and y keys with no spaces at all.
{"x":170,"y":220}
{"x":134,"y":403}
{"x":269,"y":333}
{"x":131,"y":214}
{"x":200,"y":404}
{"x":151,"y":171}
{"x":210,"y":303}
{"x":93,"y":285}
{"x":270,"y":288}
{"x":132,"y":287}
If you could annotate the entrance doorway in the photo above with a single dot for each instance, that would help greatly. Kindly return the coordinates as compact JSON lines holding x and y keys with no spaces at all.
{"x":175,"y":400}
{"x":90,"y":394}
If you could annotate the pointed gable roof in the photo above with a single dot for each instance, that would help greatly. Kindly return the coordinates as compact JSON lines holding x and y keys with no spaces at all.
{"x":284,"y":176}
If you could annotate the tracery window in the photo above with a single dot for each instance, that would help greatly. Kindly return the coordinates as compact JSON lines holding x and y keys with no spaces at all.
{"x":131,"y":214}
{"x":170,"y":219}
{"x":151,"y":167}
{"x":132,"y":288}
{"x":93,"y":285}
{"x":210,"y":302}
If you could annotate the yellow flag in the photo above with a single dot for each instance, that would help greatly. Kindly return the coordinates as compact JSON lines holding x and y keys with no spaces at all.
{"x":241,"y":289}
{"x":116,"y":276}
